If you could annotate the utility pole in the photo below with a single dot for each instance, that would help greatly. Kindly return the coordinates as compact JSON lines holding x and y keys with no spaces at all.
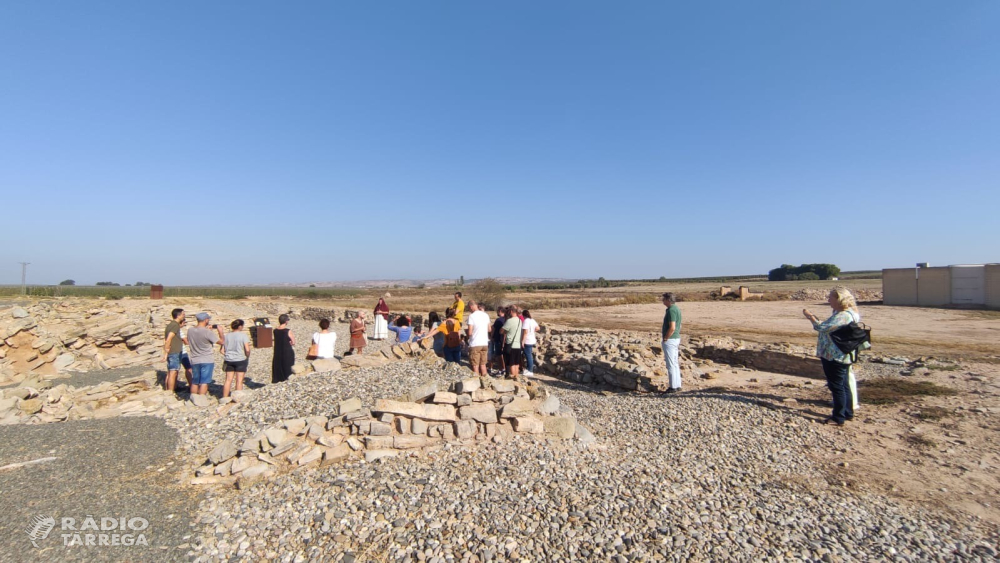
{"x":24,"y":272}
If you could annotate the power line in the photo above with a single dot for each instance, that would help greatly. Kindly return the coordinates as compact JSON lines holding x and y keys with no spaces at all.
{"x":24,"y":273}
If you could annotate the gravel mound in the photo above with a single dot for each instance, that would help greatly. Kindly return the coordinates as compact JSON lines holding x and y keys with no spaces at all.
{"x":704,"y":476}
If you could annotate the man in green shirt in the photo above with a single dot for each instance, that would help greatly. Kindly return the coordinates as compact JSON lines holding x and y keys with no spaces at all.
{"x":671,"y":333}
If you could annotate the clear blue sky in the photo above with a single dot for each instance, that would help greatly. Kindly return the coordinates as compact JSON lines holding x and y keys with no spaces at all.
{"x":253,"y":142}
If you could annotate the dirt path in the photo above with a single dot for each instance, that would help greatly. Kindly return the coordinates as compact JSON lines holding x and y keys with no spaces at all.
{"x":896,"y":330}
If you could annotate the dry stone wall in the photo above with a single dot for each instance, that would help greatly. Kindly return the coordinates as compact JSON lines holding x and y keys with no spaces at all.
{"x":471,"y":410}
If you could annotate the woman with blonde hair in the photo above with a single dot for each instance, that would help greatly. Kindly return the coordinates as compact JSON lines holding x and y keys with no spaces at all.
{"x":837,"y":364}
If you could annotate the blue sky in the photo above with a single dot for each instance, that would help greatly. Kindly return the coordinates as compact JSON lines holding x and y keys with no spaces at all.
{"x":256,"y":142}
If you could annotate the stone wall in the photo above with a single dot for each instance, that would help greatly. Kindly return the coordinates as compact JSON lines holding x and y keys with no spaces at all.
{"x":633,"y":361}
{"x":473,"y":409}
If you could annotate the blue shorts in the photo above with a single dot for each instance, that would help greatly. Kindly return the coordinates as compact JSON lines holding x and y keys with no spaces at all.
{"x":202,"y":373}
{"x":175,"y":361}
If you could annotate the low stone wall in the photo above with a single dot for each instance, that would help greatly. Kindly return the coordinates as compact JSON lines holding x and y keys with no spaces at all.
{"x":474,"y":409}
{"x":635,"y":362}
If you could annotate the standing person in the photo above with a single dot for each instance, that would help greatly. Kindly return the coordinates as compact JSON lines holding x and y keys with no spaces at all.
{"x":201,"y":342}
{"x":381,"y":319}
{"x":173,"y":347}
{"x":497,"y":340}
{"x":236,"y":356}
{"x":671,"y":340}
{"x":459,"y":307}
{"x":185,"y":359}
{"x":513,"y":330}
{"x":435,"y":321}
{"x":528,"y":342}
{"x":479,"y":338}
{"x":324,"y":340}
{"x":451,"y":328}
{"x":284,"y":351}
{"x":358,"y":340}
{"x":402,"y":329}
{"x":836,"y":364}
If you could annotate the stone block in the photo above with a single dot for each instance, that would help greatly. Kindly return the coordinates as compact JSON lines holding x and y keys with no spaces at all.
{"x":468,"y":385}
{"x":330,"y":440}
{"x":297,"y":453}
{"x":222,"y":452}
{"x":348,"y":406}
{"x":445,"y":398}
{"x":380,"y":429}
{"x":314,"y":431}
{"x":283,"y":447}
{"x":242,"y":463}
{"x":295,"y":426}
{"x":445,"y":413}
{"x":503,"y":385}
{"x":402,"y":425}
{"x":355,"y":444}
{"x":276,"y":436}
{"x":466,"y":429}
{"x":519,"y":407}
{"x":562,"y":427}
{"x":479,"y":412}
{"x":423,"y":391}
{"x":314,"y":454}
{"x":418,"y":426}
{"x":464,"y":400}
{"x":336,"y":453}
{"x":483,"y":395}
{"x":409,"y":442}
{"x":528,"y":425}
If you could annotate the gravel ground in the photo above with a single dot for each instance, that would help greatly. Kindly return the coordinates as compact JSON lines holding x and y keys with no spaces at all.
{"x":707,"y":477}
{"x":105,"y":468}
{"x":96,"y":377}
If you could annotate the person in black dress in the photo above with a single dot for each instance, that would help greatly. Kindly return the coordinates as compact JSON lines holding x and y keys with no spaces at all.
{"x":284,"y":352}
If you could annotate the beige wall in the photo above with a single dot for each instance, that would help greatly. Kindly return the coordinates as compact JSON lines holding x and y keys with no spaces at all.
{"x":993,"y":286}
{"x":899,"y":286}
{"x":934,"y":287}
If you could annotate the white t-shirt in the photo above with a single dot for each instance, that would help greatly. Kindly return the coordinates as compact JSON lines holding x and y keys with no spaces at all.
{"x":531,"y":326}
{"x":326,"y":343}
{"x":480,"y":323}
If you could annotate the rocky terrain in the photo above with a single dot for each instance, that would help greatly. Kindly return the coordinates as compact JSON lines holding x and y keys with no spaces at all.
{"x":394,"y":456}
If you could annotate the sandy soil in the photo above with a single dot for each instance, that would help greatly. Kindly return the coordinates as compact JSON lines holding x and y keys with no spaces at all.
{"x":895,"y":330}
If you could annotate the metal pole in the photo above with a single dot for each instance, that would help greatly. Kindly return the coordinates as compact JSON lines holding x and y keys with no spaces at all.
{"x":24,"y":270}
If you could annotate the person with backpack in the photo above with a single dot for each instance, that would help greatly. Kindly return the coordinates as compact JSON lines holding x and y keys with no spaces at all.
{"x":836,"y":362}
{"x":451,"y":328}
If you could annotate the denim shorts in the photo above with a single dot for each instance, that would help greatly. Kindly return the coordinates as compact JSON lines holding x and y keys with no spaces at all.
{"x":202,"y":373}
{"x":175,"y":361}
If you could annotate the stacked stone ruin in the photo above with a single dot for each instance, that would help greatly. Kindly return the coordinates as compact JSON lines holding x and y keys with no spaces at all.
{"x":46,"y":340}
{"x":473,"y":410}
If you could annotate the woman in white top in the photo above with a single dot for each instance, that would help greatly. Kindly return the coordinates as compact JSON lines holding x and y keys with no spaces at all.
{"x":325,"y":340}
{"x":528,"y":342}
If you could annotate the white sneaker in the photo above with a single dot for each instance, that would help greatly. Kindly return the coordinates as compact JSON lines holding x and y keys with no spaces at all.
{"x":528,"y":373}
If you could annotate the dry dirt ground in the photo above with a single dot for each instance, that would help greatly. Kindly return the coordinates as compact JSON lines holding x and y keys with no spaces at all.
{"x":941,"y":452}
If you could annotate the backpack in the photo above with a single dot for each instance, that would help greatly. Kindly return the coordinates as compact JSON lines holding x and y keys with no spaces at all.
{"x":852,"y":338}
{"x":453,"y":339}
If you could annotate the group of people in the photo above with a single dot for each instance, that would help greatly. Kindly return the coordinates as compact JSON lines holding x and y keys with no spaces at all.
{"x":494,"y":347}
{"x":194,"y":350}
{"x":500,"y":346}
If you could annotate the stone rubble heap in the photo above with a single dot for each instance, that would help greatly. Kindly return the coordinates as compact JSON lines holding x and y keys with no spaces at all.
{"x":475,"y":409}
{"x":49,"y":339}
{"x":38,"y":401}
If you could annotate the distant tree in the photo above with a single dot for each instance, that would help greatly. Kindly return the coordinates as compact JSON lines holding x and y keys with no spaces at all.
{"x":488,"y":292}
{"x":601,"y":282}
{"x":67,"y":282}
{"x":808,"y":276}
{"x":787,"y":272}
{"x":140,"y":284}
{"x":312,"y":285}
{"x":108,"y":283}
{"x":128,"y":285}
{"x":663,"y":278}
{"x":422,"y":286}
{"x":461,"y":280}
